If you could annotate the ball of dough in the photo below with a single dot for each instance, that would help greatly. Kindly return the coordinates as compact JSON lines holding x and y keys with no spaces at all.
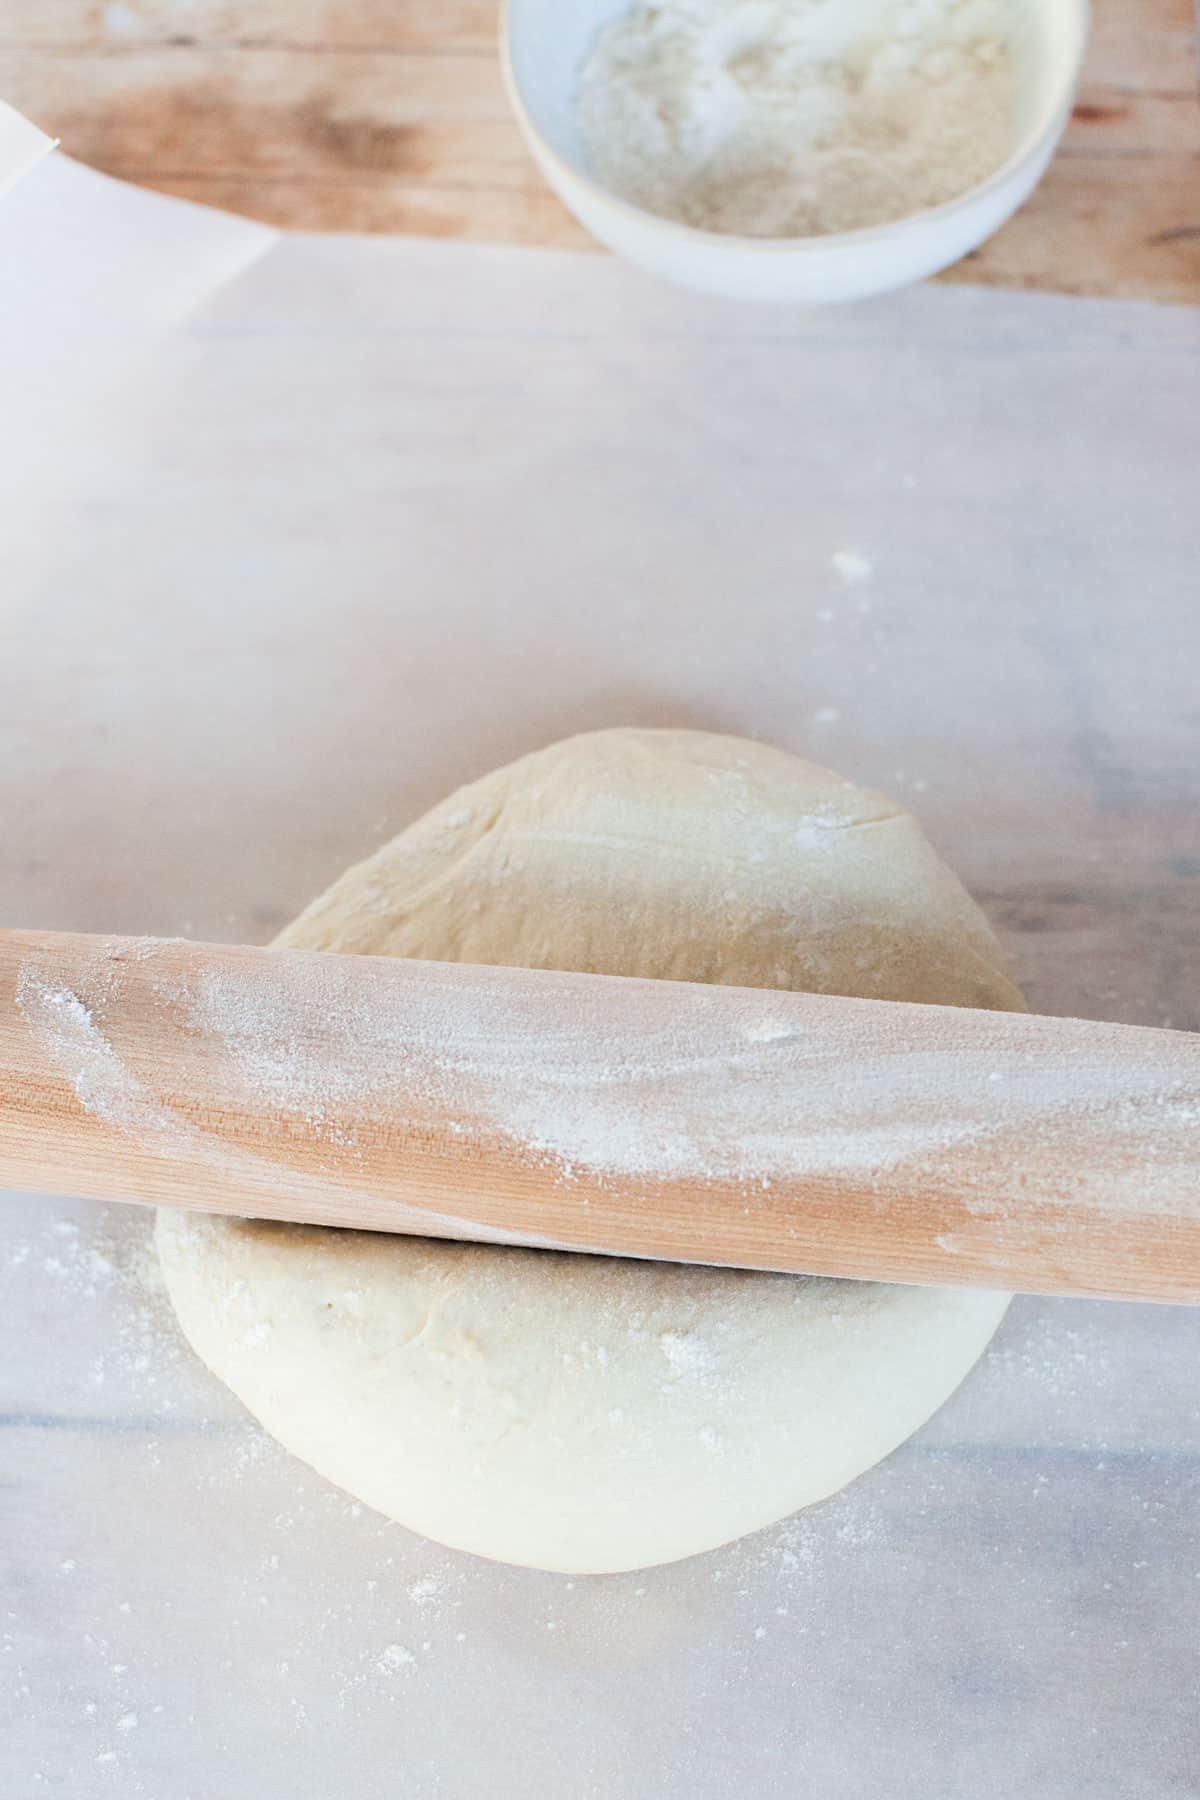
{"x":584,"y":1413}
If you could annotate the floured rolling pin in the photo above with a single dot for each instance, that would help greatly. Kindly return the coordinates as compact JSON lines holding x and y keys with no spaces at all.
{"x":645,"y":1118}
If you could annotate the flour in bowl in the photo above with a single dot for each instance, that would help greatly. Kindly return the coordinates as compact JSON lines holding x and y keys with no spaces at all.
{"x":796,"y":118}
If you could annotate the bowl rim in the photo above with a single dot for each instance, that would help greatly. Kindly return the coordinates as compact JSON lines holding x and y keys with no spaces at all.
{"x":1047,"y":127}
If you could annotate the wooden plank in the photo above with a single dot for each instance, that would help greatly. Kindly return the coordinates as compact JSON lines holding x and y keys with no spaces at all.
{"x":1084,"y":231}
{"x":389,"y":118}
{"x":328,"y":26}
{"x":153,"y":116}
{"x":1149,"y":46}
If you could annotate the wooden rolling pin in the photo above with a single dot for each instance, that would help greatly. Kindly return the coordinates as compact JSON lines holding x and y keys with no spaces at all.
{"x":646,"y":1118}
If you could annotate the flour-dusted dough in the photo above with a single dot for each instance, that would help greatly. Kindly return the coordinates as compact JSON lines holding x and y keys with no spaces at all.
{"x":588,"y":1413}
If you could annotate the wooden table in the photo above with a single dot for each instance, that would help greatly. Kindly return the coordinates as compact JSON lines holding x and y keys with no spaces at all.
{"x":388,"y":116}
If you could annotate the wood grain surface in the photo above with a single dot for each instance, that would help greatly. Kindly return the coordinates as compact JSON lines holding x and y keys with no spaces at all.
{"x":353,"y":115}
{"x":874,"y":1140}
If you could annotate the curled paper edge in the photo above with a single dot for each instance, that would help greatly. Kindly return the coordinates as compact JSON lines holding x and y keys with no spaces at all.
{"x":22,"y":146}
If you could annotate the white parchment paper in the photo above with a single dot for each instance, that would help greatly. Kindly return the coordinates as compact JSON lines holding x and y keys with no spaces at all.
{"x":297,"y":534}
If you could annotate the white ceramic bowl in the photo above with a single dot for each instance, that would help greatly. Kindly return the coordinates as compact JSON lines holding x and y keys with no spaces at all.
{"x":544,"y":43}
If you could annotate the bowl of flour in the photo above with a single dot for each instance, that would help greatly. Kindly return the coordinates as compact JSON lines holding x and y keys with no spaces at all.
{"x":793,"y":150}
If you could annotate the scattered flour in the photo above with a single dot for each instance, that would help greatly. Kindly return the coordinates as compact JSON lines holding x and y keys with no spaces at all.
{"x":689,"y":1355}
{"x":102,"y":1082}
{"x":350,"y":1606}
{"x":851,"y":566}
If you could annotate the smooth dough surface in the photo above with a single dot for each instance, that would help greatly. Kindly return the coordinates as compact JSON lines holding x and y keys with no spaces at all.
{"x":589,"y":1413}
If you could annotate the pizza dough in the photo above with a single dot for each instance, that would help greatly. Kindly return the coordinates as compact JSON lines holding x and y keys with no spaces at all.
{"x":589,"y":1413}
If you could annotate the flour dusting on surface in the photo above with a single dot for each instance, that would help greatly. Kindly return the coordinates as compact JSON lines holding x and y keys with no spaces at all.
{"x":707,"y":1085}
{"x":664,"y":1082}
{"x":102,"y":1081}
